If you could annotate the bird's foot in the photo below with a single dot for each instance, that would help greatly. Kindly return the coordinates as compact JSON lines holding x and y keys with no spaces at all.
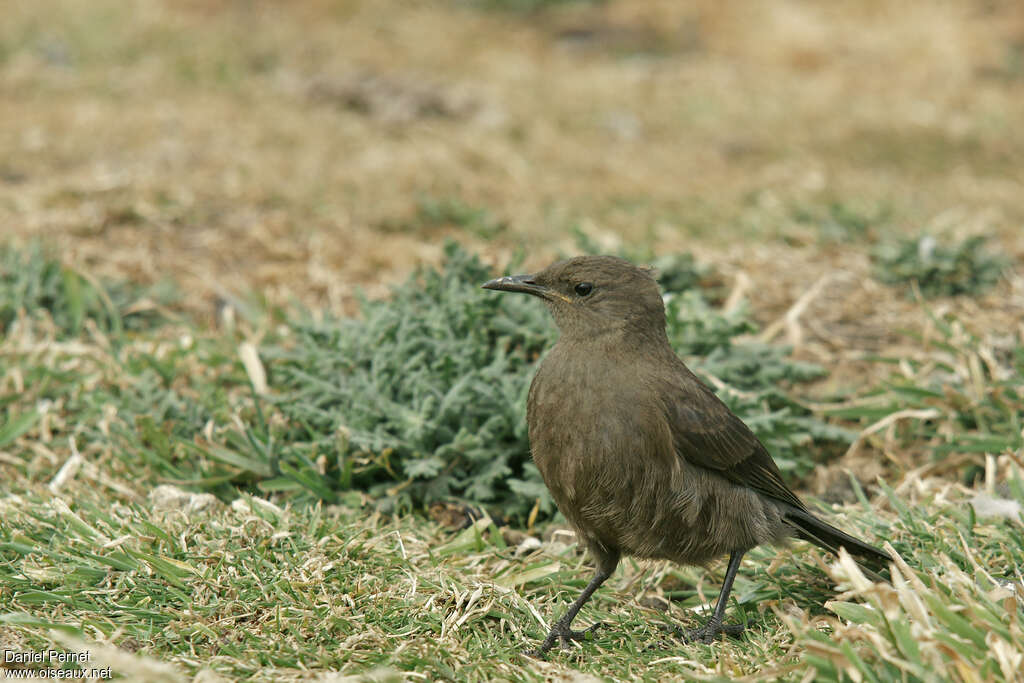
{"x":705,"y":634}
{"x":563,"y":635}
{"x":709,"y":632}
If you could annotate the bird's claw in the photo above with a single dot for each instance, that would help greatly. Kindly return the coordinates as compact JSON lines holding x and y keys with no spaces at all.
{"x":709,"y":632}
{"x":564,"y":636}
{"x":705,"y":634}
{"x":567,"y":636}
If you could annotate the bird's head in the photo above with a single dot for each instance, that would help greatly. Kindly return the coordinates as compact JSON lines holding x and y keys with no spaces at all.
{"x":590,"y":295}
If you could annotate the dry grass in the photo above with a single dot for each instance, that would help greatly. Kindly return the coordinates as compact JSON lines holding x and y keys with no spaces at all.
{"x":261,"y":148}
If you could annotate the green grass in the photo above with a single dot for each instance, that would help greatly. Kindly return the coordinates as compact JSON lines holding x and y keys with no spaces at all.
{"x":967,"y":389}
{"x":33,"y":281}
{"x":450,"y":212}
{"x":252,"y":589}
{"x":313,"y":554}
{"x":843,"y":222}
{"x":938,"y":269}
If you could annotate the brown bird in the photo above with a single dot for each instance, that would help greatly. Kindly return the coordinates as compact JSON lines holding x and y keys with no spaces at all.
{"x":640,"y":456}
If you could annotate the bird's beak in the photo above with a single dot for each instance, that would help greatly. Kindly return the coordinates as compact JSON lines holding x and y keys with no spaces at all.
{"x":519,"y":283}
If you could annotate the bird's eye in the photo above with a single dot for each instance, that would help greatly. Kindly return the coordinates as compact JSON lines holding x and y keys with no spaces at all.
{"x":584,"y":288}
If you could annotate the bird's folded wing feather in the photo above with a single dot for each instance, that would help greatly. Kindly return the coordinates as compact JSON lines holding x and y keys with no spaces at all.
{"x":707,"y":434}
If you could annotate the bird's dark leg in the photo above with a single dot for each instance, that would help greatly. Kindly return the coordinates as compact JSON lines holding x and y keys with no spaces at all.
{"x":560,"y":631}
{"x":710,"y":630}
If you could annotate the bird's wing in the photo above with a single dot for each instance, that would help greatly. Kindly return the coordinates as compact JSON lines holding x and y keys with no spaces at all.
{"x":707,"y":434}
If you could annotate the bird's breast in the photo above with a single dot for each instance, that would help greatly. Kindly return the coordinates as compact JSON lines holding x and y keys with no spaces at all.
{"x":595,"y":427}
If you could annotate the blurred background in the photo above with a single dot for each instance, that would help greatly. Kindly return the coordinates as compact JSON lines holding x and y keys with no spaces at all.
{"x":304,"y":149}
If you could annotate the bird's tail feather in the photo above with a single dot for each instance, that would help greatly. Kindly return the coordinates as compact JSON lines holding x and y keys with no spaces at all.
{"x":827,"y":537}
